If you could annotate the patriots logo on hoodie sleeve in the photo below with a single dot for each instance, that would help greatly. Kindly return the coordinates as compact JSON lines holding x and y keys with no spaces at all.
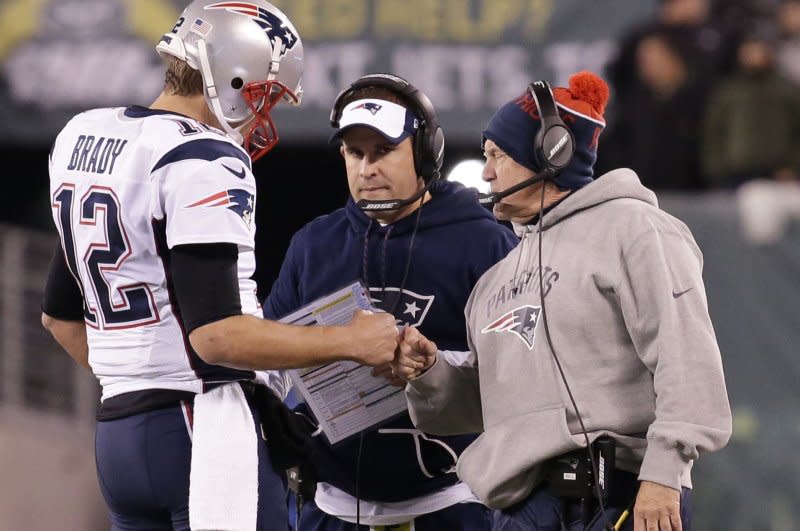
{"x":520,"y":321}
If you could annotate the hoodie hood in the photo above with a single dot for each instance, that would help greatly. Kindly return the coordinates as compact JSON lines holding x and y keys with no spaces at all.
{"x":622,"y":183}
{"x":450,"y":203}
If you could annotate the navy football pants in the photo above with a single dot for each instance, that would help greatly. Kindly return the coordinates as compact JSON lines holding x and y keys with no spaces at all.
{"x":461,"y":517}
{"x":143,"y":470}
{"x":542,"y":511}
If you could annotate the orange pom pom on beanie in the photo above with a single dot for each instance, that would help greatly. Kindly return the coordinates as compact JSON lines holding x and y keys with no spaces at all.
{"x":581,"y":106}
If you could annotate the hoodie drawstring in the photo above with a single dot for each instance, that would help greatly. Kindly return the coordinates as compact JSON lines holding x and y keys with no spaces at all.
{"x":408,"y":259}
{"x":383,"y":268}
{"x":383,"y":262}
{"x":364,"y":253}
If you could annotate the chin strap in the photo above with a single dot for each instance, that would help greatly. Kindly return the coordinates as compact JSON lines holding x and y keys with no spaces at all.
{"x":275,"y":61}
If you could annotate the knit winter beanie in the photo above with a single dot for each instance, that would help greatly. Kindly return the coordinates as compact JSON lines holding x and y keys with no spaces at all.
{"x":581,"y":106}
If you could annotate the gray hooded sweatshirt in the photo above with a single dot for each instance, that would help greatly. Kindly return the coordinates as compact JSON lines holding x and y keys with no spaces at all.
{"x":626,"y":310}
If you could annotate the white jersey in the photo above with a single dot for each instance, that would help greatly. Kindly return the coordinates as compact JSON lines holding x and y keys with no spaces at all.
{"x":126,"y":185}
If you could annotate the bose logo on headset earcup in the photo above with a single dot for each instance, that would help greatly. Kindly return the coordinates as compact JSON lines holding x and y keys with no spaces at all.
{"x":428,"y":143}
{"x":561,"y":143}
{"x":554,"y":144}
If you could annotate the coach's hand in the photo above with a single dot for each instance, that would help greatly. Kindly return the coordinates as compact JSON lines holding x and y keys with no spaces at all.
{"x":415,"y":354}
{"x":386,"y":371}
{"x":372,"y":338}
{"x":658,"y":508}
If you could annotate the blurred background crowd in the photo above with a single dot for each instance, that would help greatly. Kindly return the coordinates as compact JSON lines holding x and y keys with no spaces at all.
{"x":706,"y":95}
{"x":705,"y":106}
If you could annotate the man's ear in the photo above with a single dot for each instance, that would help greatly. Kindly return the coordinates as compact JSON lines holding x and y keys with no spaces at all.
{"x":341,"y":149}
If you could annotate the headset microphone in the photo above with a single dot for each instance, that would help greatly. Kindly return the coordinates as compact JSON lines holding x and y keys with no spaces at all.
{"x":380,"y":205}
{"x":493,"y":197}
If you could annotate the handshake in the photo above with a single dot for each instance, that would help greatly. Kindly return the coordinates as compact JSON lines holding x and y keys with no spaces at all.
{"x":396,"y":354}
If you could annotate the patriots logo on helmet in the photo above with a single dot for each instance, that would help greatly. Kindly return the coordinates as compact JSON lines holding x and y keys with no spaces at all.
{"x":410,"y":310}
{"x":239,"y":201}
{"x":519,"y":321}
{"x":269,"y":22}
{"x":368,"y":105}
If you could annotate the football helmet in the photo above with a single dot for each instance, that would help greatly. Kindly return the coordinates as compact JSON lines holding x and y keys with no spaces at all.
{"x":250,"y":56}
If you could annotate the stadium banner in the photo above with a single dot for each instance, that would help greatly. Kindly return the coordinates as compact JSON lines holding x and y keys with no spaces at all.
{"x":58,"y":57}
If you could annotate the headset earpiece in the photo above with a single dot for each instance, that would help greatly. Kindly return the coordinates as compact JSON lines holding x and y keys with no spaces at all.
{"x":554,"y":144}
{"x":428,"y":142}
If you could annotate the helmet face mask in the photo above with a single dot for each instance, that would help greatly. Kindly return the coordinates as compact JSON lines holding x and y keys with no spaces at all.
{"x":261,"y":97}
{"x":250,"y":57}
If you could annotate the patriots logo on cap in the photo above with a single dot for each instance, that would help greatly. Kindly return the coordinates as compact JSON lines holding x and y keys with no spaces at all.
{"x":269,"y":22}
{"x":520,"y":321}
{"x":238,"y":200}
{"x":370,"y":106}
{"x":410,"y":310}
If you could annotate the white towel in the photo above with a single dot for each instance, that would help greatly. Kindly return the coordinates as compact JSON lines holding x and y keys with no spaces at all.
{"x":223,"y":482}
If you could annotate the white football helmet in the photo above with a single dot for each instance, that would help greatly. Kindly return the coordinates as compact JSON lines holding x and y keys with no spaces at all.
{"x":250,"y":56}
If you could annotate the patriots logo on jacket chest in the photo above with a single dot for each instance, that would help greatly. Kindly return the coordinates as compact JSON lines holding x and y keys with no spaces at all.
{"x":410,"y":310}
{"x":520,"y":321}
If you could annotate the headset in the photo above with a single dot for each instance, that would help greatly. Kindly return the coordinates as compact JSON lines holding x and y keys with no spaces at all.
{"x":553,"y":145}
{"x":428,"y":142}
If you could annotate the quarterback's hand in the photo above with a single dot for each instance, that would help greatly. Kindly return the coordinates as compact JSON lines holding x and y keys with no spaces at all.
{"x":415,"y":354}
{"x":372,"y":338}
{"x":658,"y":508}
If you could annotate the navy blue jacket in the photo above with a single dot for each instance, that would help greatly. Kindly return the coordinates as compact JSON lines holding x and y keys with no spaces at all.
{"x":456,"y":241}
